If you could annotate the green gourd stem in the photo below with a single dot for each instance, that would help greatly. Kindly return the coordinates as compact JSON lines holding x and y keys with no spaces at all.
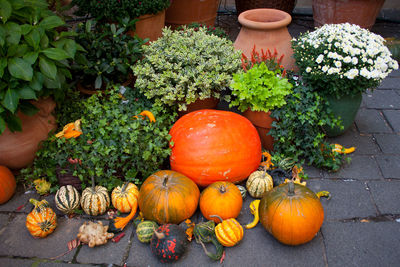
{"x":34,"y":202}
{"x":125,"y":186}
{"x":291,"y":188}
{"x":219,"y":249}
{"x":93,"y":186}
{"x":217,"y":216}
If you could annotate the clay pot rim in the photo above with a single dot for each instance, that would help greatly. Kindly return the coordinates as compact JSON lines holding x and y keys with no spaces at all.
{"x":282,"y":19}
{"x":146,"y":16}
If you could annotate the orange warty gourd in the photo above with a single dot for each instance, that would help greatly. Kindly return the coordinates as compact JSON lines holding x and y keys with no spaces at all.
{"x":42,"y":220}
{"x":214,"y":145}
{"x":7,"y":184}
{"x":168,"y":197}
{"x":222,"y":199}
{"x":292,"y":213}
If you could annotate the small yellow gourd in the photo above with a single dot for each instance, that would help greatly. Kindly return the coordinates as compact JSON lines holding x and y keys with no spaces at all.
{"x":258,"y":183}
{"x":229,"y":232}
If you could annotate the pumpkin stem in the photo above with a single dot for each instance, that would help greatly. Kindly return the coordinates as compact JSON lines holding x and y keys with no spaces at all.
{"x":34,"y":202}
{"x":222,"y":189}
{"x":159,"y":235}
{"x":125,"y":186}
{"x":216,"y":216}
{"x":93,"y":185}
{"x":165,"y":181}
{"x":291,"y":188}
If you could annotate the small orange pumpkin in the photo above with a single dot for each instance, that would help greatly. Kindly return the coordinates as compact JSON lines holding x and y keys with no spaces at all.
{"x":7,"y":184}
{"x":229,"y":232}
{"x":292,"y":213}
{"x":168,"y":197}
{"x":221,"y":198}
{"x":125,"y":197}
{"x":42,"y":220}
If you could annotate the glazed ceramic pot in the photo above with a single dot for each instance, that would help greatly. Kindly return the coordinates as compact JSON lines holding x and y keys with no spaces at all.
{"x":360,"y":12}
{"x":346,"y":108}
{"x":262,"y":121}
{"x":150,"y":26}
{"x":17,"y":150}
{"x":266,"y":29}
{"x":183,"y":12}
{"x":208,"y":103}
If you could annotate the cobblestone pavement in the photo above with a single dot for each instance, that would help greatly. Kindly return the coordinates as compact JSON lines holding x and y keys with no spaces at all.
{"x":362,"y":219}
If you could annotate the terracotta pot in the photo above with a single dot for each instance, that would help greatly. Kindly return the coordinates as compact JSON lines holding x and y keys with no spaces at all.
{"x":262,"y":121}
{"x":183,"y":12}
{"x":208,"y":103}
{"x":150,"y":26}
{"x":285,"y":5}
{"x":266,"y":28}
{"x":17,"y":150}
{"x":360,"y":12}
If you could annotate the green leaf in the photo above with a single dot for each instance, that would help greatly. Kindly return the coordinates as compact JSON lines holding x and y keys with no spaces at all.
{"x":2,"y":125}
{"x":98,"y":82}
{"x":47,"y":67}
{"x":14,"y":123}
{"x":26,"y":93}
{"x":31,"y":57}
{"x":33,"y":39}
{"x":17,"y":50}
{"x":2,"y":35}
{"x":5,"y":10}
{"x":26,"y":28}
{"x":70,"y":47}
{"x":37,"y":81}
{"x":3,"y":65}
{"x":21,"y":69}
{"x":44,"y":42}
{"x":56,"y":53}
{"x":51,"y":22}
{"x":13,"y":32}
{"x":10,"y":100}
{"x":27,"y":108}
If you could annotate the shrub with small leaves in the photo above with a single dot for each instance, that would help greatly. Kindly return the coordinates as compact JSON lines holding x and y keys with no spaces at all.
{"x":114,"y":145}
{"x":183,"y":66}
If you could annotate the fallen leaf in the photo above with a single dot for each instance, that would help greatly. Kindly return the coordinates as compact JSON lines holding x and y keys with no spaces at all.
{"x":118,"y":238}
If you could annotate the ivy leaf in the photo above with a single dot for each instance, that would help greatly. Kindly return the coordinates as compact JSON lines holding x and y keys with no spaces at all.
{"x":26,"y":93}
{"x":47,"y":67}
{"x":21,"y":69}
{"x":10,"y":100}
{"x":5,"y":10}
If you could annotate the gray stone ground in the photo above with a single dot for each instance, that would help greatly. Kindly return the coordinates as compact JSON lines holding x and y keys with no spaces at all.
{"x":362,"y":219}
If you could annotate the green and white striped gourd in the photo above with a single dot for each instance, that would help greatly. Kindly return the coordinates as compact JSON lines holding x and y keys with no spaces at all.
{"x":145,"y":230}
{"x":95,"y":200}
{"x":258,"y":183}
{"x":67,"y":199}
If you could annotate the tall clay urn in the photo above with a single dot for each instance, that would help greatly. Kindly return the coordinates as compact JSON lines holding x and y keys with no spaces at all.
{"x":17,"y":149}
{"x":266,"y":28}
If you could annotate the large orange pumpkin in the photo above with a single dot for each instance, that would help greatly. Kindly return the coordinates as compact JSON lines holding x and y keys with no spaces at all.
{"x":222,"y":199}
{"x":168,"y":197}
{"x":292,"y":213}
{"x":7,"y":184}
{"x":214,"y":145}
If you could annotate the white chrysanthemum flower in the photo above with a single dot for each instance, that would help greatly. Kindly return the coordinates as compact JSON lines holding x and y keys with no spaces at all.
{"x":319,"y":59}
{"x":365,"y":73}
{"x":354,"y":60}
{"x":308,"y":69}
{"x":351,"y":74}
{"x":338,"y":64}
{"x":347,"y":59}
{"x":325,"y":68}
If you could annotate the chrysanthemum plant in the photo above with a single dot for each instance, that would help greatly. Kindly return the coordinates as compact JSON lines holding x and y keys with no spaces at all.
{"x":342,"y":59}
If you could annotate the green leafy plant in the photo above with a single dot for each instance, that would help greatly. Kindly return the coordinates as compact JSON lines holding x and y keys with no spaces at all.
{"x":342,"y":59}
{"x":183,"y":66}
{"x":209,"y":29}
{"x":110,"y":52}
{"x":114,"y":10}
{"x":34,"y":58}
{"x":298,"y":133}
{"x":114,"y":145}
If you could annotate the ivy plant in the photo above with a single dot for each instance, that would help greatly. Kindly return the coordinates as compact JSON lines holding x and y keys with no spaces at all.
{"x":114,"y":145}
{"x":34,"y":58}
{"x":298,"y":133}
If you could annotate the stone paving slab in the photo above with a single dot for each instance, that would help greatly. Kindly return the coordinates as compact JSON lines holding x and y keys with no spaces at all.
{"x":393,"y":117}
{"x":383,"y":99}
{"x":8,"y":262}
{"x":371,"y":121}
{"x":362,"y":244}
{"x":390,"y":165}
{"x":17,"y":241}
{"x":3,"y":221}
{"x":364,"y":143}
{"x":15,"y":262}
{"x":110,"y":253}
{"x":389,"y":143}
{"x":360,"y":167}
{"x":20,"y":199}
{"x":313,"y":172}
{"x":386,"y":195}
{"x":348,"y":199}
{"x":390,"y":82}
{"x":62,"y":264}
{"x":395,"y":73}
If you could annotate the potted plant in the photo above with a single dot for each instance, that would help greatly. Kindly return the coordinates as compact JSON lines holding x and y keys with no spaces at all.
{"x":109,"y":54}
{"x":113,"y":146}
{"x":184,"y":66}
{"x":341,"y":61}
{"x":149,"y":14}
{"x":284,"y":5}
{"x":183,"y":12}
{"x":34,"y":64}
{"x":259,"y":89}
